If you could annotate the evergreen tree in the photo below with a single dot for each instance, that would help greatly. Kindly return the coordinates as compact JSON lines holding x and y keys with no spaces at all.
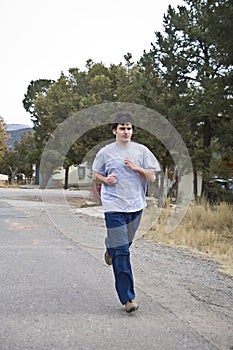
{"x":3,"y":138}
{"x":192,"y":58}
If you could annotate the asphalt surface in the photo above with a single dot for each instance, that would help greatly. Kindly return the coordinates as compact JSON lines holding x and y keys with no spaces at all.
{"x":56,"y":292}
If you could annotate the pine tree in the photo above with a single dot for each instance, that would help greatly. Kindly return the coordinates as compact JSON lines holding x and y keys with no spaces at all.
{"x":192,"y":57}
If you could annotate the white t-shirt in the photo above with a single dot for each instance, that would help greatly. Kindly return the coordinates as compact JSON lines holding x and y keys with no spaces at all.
{"x":128,"y":194}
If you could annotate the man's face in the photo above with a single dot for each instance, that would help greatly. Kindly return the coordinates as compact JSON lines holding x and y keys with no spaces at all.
{"x":123,"y":132}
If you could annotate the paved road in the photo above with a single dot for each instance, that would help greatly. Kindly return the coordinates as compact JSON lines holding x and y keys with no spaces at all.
{"x":56,"y":293}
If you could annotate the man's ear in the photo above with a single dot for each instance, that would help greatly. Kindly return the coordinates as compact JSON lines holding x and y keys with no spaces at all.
{"x":114,"y":131}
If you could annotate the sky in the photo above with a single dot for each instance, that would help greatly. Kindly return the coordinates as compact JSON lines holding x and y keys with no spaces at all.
{"x":41,"y":39}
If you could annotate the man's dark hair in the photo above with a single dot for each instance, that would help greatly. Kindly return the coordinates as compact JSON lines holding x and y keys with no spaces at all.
{"x":123,"y":118}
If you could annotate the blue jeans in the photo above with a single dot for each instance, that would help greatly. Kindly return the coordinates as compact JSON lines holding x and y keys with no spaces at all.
{"x":121,"y":229}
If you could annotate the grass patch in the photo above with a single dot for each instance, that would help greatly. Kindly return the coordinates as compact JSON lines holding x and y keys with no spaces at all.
{"x":204,"y":229}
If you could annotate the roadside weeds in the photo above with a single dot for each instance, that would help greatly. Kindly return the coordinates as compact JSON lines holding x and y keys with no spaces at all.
{"x":204,"y":229}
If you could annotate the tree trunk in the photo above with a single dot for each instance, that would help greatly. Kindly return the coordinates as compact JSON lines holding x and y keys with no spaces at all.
{"x":173,"y":193}
{"x":195,"y":184}
{"x":12,"y":176}
{"x":66,"y":178}
{"x":207,"y":155}
{"x":161,"y":191}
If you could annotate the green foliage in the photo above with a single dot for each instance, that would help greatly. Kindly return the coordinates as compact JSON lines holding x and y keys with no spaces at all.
{"x":21,"y":159}
{"x":194,"y":64}
{"x":33,"y":90}
{"x":53,"y":102}
{"x":3,"y":138}
{"x":26,"y":154}
{"x":186,"y":76}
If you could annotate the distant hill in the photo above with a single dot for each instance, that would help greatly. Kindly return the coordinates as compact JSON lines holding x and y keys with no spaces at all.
{"x":11,"y":127}
{"x":15,"y":131}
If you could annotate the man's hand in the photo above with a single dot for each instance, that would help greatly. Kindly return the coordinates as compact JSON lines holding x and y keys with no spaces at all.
{"x":111,"y":179}
{"x":108,"y":180}
{"x":130,"y":164}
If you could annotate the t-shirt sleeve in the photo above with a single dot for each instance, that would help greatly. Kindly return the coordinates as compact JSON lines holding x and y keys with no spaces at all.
{"x":99,"y":164}
{"x":150,"y":161}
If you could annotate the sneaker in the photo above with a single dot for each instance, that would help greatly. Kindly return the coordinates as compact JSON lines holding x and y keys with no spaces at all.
{"x":107,"y":258}
{"x":131,"y":306}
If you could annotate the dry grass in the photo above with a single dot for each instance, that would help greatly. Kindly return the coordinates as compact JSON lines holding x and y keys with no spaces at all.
{"x":204,"y":229}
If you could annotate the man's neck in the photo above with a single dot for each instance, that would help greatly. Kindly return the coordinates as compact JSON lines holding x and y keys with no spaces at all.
{"x":123,"y":144}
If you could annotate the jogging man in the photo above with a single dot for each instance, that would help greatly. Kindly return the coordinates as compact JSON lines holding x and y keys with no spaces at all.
{"x":123,"y":168}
